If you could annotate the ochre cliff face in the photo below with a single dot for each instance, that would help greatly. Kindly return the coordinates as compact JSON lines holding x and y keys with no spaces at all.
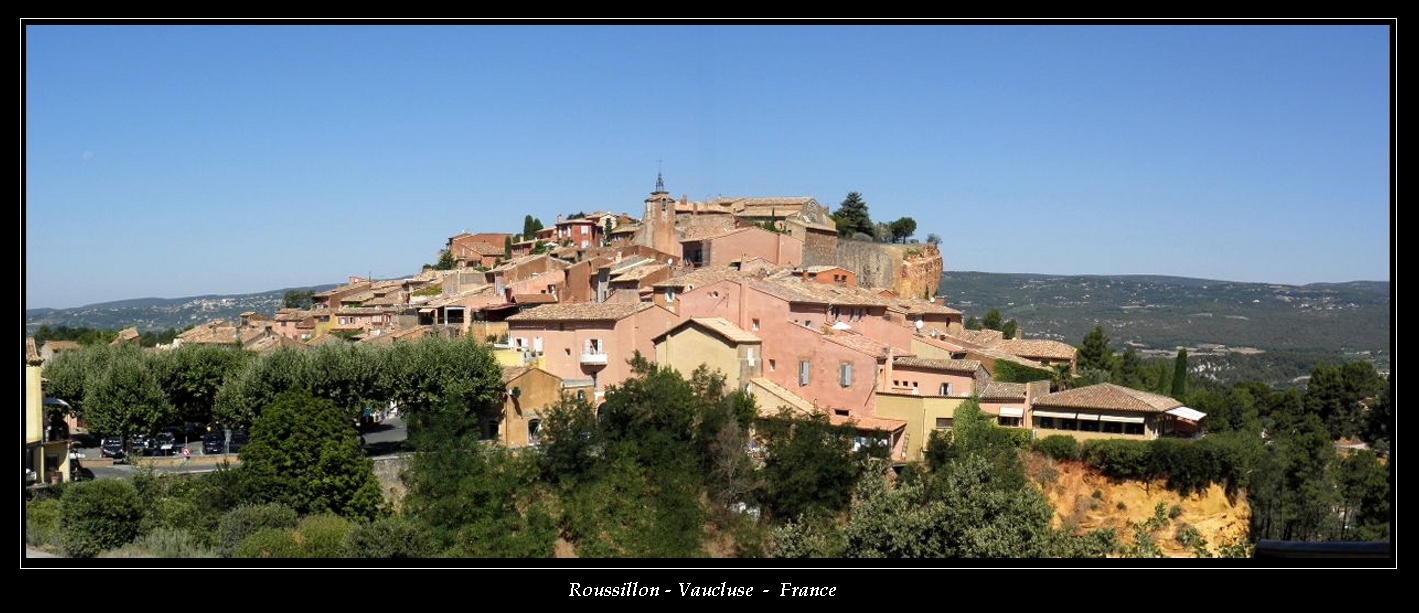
{"x":912,"y":270}
{"x":919,"y":274}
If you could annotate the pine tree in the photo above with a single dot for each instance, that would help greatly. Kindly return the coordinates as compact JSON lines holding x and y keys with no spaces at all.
{"x":992,"y":320}
{"x":1094,"y":353}
{"x":852,"y":216}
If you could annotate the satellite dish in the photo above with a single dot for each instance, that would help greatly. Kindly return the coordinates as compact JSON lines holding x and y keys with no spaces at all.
{"x":919,"y":324}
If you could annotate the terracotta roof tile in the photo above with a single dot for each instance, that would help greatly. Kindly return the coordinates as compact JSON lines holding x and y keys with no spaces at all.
{"x":1033,"y":348}
{"x":718,"y":325}
{"x":1000,"y":390}
{"x":858,"y":342}
{"x":534,"y":298}
{"x":1108,"y":396}
{"x":700,"y":277}
{"x":938,"y":364}
{"x":583,"y":311}
{"x":640,"y":272}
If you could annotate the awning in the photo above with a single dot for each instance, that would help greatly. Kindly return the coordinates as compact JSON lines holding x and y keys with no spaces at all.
{"x":1057,"y":414}
{"x":1011,"y":412}
{"x":1088,"y":417}
{"x":1121,"y":419}
{"x":1186,"y":413}
{"x":426,"y":311}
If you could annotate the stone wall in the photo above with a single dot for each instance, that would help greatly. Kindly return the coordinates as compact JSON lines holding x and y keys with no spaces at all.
{"x":912,"y":270}
{"x":820,"y":249}
{"x":386,"y":470}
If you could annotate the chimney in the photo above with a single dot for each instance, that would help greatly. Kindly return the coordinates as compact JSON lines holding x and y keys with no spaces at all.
{"x":887,"y":371}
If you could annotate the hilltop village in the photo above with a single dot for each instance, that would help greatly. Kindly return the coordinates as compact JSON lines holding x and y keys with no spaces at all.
{"x":761,"y":289}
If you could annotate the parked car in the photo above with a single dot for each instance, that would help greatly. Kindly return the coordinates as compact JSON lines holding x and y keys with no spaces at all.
{"x":140,"y":445}
{"x":239,"y":440}
{"x":213,"y":442}
{"x":165,"y":444}
{"x":111,"y":447}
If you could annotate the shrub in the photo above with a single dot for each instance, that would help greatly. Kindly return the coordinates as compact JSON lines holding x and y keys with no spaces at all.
{"x":163,"y":543}
{"x":98,"y":515}
{"x":42,"y":522}
{"x":391,"y":537}
{"x":323,"y":536}
{"x":268,"y":543}
{"x":1059,"y":447}
{"x":1118,"y":459}
{"x":242,"y":522}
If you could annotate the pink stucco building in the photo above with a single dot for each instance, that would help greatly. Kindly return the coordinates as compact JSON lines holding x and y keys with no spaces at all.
{"x":719,"y":248}
{"x":590,"y":340}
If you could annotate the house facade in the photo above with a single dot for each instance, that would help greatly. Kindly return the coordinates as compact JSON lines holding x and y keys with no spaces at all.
{"x":713,"y":342}
{"x":589,"y":340}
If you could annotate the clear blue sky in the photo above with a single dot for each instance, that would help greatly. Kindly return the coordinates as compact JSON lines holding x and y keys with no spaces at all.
{"x":181,"y":160}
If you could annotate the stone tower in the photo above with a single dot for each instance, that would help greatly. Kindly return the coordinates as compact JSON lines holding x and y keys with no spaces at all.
{"x":658,"y":224}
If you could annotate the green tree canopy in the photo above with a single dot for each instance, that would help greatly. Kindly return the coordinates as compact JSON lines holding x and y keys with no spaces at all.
{"x":1010,"y":328}
{"x":902,"y":229}
{"x":298,"y":299}
{"x":1095,"y":353}
{"x":192,"y":375}
{"x":306,"y":454}
{"x":446,"y":261}
{"x":852,"y":217}
{"x":530,"y":226}
{"x":991,"y":320}
{"x":125,"y":397}
{"x":1180,"y":375}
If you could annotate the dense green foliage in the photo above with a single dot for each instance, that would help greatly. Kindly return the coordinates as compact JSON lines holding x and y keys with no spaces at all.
{"x":125,"y":397}
{"x":851,"y":216}
{"x":1094,"y":352}
{"x":974,"y":501}
{"x":306,"y":454}
{"x":42,"y":522}
{"x":244,"y":521}
{"x":391,"y":537}
{"x":479,"y":499}
{"x":1179,"y":388}
{"x":809,"y":466}
{"x":298,"y":299}
{"x":446,"y":261}
{"x":1059,"y":447}
{"x":902,"y":229}
{"x":98,"y":515}
{"x":269,"y":543}
{"x":419,"y":376}
{"x":530,"y":227}
{"x":324,"y":536}
{"x":84,"y":335}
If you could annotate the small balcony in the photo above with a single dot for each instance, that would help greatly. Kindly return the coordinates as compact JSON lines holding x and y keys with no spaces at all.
{"x":593,"y":359}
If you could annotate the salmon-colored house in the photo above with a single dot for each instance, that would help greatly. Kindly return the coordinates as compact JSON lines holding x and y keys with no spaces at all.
{"x":722,"y":247}
{"x":590,"y":340}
